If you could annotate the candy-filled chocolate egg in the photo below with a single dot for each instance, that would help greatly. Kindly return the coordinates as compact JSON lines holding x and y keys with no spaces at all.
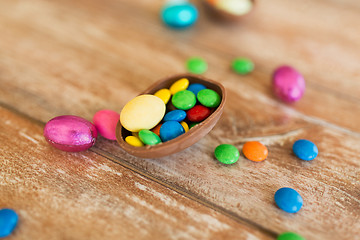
{"x":171,"y":132}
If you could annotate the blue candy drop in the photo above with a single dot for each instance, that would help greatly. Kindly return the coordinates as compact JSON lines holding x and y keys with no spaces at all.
{"x":175,"y":115}
{"x":181,"y":15}
{"x":170,"y":130}
{"x":305,"y":149}
{"x":196,"y":87}
{"x":8,"y":221}
{"x":288,"y":200}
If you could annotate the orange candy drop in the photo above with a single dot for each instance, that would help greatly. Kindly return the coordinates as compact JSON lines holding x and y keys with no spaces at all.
{"x":156,"y":129}
{"x":255,"y":151}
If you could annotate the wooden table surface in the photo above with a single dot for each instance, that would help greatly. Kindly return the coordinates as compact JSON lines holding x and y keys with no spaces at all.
{"x":77,"y":57}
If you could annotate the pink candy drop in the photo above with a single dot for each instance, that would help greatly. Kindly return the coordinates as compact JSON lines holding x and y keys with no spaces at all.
{"x":288,"y":84}
{"x":105,"y":122}
{"x":70,"y":133}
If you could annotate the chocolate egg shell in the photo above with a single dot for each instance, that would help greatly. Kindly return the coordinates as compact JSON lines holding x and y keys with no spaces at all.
{"x":185,"y":140}
{"x":70,"y":133}
{"x":224,"y":15}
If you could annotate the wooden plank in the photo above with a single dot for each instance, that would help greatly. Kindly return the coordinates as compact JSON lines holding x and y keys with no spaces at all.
{"x":114,"y":44}
{"x":111,"y":59}
{"x":329,"y":184}
{"x":276,"y":35}
{"x":61,"y":195}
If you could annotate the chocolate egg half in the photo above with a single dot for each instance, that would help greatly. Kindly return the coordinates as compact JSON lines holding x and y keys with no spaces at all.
{"x":188,"y":138}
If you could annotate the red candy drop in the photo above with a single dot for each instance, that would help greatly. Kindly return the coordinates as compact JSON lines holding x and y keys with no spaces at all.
{"x":198,"y":113}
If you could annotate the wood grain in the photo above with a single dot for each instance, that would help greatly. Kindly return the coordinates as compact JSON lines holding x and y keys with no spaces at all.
{"x":61,"y":195}
{"x":79,"y":57}
{"x":119,"y":31}
{"x":113,"y":30}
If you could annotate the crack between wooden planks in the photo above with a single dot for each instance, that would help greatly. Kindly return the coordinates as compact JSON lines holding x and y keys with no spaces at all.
{"x":178,"y":189}
{"x":22,"y":114}
{"x":270,"y":139}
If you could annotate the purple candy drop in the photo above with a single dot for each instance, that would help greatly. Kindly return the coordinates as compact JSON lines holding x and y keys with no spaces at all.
{"x":288,"y":84}
{"x":70,"y":133}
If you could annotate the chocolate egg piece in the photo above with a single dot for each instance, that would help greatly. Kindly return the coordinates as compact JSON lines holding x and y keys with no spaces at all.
{"x":70,"y":133}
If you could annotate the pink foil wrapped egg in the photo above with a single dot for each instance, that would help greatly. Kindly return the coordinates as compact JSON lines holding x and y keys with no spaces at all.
{"x":105,"y":122}
{"x":288,"y":84}
{"x":70,"y":133}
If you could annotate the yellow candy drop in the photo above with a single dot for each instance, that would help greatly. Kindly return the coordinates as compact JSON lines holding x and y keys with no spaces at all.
{"x":179,"y":85}
{"x":185,"y":126}
{"x":143,"y":112}
{"x":134,"y":141}
{"x":164,"y":94}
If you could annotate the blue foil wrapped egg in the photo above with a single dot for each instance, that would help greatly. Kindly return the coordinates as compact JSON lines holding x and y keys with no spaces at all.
{"x":179,"y":15}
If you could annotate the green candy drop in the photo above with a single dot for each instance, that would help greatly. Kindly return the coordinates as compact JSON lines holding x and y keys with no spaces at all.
{"x":193,"y":124}
{"x":184,"y":100}
{"x":290,"y":236}
{"x":242,"y":66}
{"x":148,"y":137}
{"x":209,"y":98}
{"x":196,"y":65}
{"x":227,"y":153}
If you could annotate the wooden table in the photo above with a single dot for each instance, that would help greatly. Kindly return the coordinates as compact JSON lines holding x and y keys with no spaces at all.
{"x":77,"y":57}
